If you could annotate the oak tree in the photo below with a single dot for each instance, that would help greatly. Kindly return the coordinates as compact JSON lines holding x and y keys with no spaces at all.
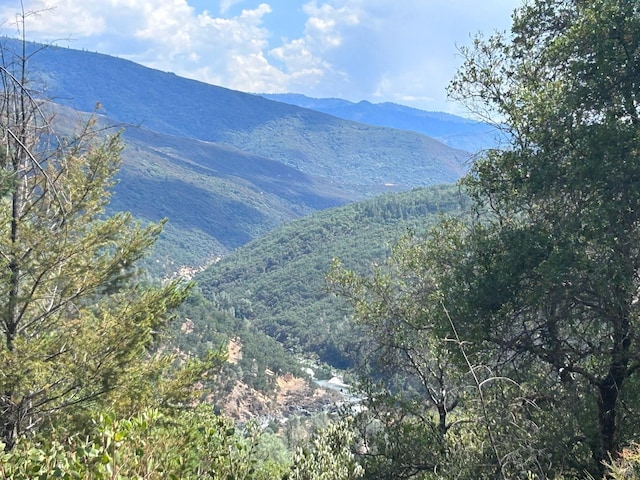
{"x":551,"y":274}
{"x":541,"y":287}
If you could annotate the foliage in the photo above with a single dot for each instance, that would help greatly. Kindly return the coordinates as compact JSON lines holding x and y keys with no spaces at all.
{"x":277,"y":284}
{"x":431,"y":407}
{"x":627,"y":467}
{"x":327,"y":456}
{"x":505,"y":347}
{"x":551,"y":277}
{"x":78,"y":327}
{"x":398,"y":306}
{"x":191,"y":445}
{"x":212,"y":328}
{"x":86,"y":388}
{"x":538,"y":293}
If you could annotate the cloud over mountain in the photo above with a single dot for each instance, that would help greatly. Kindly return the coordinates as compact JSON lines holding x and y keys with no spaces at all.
{"x":380,"y":50}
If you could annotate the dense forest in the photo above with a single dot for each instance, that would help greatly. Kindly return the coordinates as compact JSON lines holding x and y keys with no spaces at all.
{"x":498,"y":339}
{"x":277,"y":283}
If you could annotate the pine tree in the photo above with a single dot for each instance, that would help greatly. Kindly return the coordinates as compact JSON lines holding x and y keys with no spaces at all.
{"x":77,"y":325}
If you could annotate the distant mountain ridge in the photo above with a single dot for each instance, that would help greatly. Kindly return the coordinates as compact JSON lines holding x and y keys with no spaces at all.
{"x":225,"y":166}
{"x":452,"y":130}
{"x":361,"y":157}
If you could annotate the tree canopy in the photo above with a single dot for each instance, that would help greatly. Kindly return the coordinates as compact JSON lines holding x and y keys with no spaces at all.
{"x":553,"y":270}
{"x":537,"y":296}
{"x":79,"y":327}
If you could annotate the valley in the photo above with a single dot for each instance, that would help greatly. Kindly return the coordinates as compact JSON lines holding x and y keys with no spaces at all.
{"x":199,"y":282}
{"x":225,"y":167}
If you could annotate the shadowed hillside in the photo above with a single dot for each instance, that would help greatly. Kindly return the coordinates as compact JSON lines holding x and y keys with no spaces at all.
{"x":223,"y":166}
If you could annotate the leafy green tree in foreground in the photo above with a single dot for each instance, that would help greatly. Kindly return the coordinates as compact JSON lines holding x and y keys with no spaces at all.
{"x":538,"y":294}
{"x":327,"y":456}
{"x":432,"y":410}
{"x":192,"y":445}
{"x":76,"y":329}
{"x":550,"y":276}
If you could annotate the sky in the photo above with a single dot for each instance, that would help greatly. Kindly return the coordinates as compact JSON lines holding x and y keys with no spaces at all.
{"x":401,"y":51}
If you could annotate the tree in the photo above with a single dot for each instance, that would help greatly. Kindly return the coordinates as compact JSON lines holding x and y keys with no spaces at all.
{"x":398,"y":306}
{"x":327,"y":456}
{"x":431,"y":409}
{"x":550,"y":276}
{"x":77,"y":325}
{"x":540,"y":289}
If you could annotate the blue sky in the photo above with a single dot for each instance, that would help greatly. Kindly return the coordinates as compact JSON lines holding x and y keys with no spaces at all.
{"x":402,"y":51}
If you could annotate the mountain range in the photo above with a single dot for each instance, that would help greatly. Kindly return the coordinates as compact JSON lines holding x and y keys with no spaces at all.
{"x":225,"y":166}
{"x":452,"y":130}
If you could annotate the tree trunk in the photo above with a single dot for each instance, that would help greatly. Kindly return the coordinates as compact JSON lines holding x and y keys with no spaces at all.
{"x":9,"y":422}
{"x":609,"y":390}
{"x":607,"y":404}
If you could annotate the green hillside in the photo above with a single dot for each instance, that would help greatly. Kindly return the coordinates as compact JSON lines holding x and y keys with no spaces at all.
{"x":277,"y":283}
{"x":225,"y":167}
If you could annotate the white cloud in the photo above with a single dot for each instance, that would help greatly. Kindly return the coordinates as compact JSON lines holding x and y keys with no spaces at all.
{"x":46,"y":19}
{"x":164,"y":34}
{"x":385,"y":50}
{"x":299,"y":60}
{"x":307,"y":61}
{"x":381,"y":50}
{"x":326,"y":23}
{"x":225,"y":5}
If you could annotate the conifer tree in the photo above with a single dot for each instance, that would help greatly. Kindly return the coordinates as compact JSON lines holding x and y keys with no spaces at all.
{"x":77,"y":327}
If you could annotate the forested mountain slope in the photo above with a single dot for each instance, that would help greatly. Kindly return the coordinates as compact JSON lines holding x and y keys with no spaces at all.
{"x":358,"y":157}
{"x":215,"y":197}
{"x":277,"y":283}
{"x":223,"y":166}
